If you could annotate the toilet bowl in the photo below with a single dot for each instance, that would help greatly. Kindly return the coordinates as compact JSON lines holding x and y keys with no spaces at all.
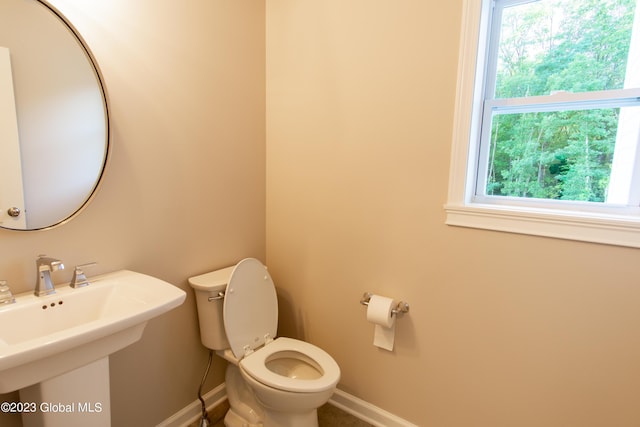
{"x":275,"y":382}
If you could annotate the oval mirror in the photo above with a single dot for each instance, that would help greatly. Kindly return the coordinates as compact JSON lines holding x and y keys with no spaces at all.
{"x":54,"y":123}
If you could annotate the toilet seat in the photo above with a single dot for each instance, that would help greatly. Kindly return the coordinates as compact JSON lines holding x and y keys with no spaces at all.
{"x":255,"y":365}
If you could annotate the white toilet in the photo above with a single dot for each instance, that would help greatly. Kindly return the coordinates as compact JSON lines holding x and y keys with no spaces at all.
{"x":271,"y":382}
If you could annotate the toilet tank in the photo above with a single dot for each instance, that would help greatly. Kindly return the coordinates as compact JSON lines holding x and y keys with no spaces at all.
{"x":210,"y":313}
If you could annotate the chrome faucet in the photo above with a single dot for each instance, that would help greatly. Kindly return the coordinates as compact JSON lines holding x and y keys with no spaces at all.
{"x":45,"y":264}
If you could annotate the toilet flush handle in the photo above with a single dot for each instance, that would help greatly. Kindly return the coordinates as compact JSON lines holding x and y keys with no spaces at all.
{"x":216,"y":297}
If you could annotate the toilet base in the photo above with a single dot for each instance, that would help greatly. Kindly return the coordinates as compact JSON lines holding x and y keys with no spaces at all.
{"x":232,"y":419}
{"x":273,"y":419}
{"x":244,"y":411}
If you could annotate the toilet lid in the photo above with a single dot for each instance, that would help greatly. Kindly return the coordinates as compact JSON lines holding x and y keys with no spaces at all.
{"x":250,"y":307}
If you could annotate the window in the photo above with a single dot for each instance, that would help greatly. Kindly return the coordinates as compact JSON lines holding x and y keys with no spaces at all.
{"x":547,"y":124}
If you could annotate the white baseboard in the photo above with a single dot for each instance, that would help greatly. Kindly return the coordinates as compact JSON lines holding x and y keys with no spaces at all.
{"x":343,"y":400}
{"x":366,"y":411}
{"x":193,"y":412}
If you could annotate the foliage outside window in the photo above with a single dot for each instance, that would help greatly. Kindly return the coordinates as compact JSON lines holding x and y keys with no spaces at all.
{"x":548,"y":119}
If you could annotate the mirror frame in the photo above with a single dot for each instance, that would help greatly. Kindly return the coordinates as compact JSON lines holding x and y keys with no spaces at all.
{"x":108,"y":143}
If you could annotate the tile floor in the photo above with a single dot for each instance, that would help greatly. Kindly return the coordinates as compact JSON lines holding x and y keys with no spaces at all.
{"x":328,"y":416}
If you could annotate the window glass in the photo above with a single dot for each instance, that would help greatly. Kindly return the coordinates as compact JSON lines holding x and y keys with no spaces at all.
{"x":564,"y":155}
{"x":563,"y":45}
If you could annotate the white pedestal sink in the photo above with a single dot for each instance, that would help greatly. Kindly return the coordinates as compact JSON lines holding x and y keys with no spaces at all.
{"x":75,"y":399}
{"x":55,"y":349}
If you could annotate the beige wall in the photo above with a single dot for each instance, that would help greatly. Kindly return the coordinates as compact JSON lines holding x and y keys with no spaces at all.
{"x":184,"y":192}
{"x":504,"y":330}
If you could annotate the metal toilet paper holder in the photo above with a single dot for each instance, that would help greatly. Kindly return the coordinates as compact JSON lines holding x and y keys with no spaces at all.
{"x":401,"y":308}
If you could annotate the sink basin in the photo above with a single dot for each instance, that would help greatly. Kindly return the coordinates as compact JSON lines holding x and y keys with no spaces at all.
{"x":43,"y":337}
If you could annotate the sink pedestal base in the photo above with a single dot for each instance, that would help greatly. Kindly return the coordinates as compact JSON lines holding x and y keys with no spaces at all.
{"x":78,"y":398}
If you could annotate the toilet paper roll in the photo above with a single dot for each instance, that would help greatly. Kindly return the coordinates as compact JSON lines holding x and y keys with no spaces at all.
{"x":379,"y":313}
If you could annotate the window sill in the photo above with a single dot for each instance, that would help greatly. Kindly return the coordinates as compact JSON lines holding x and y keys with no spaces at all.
{"x":588,"y":227}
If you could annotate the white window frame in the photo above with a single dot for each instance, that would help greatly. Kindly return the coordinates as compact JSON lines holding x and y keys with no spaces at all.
{"x":615,"y":225}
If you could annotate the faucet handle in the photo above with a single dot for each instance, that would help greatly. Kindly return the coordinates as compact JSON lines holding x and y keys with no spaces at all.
{"x":6,"y":297}
{"x":79,"y":279}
